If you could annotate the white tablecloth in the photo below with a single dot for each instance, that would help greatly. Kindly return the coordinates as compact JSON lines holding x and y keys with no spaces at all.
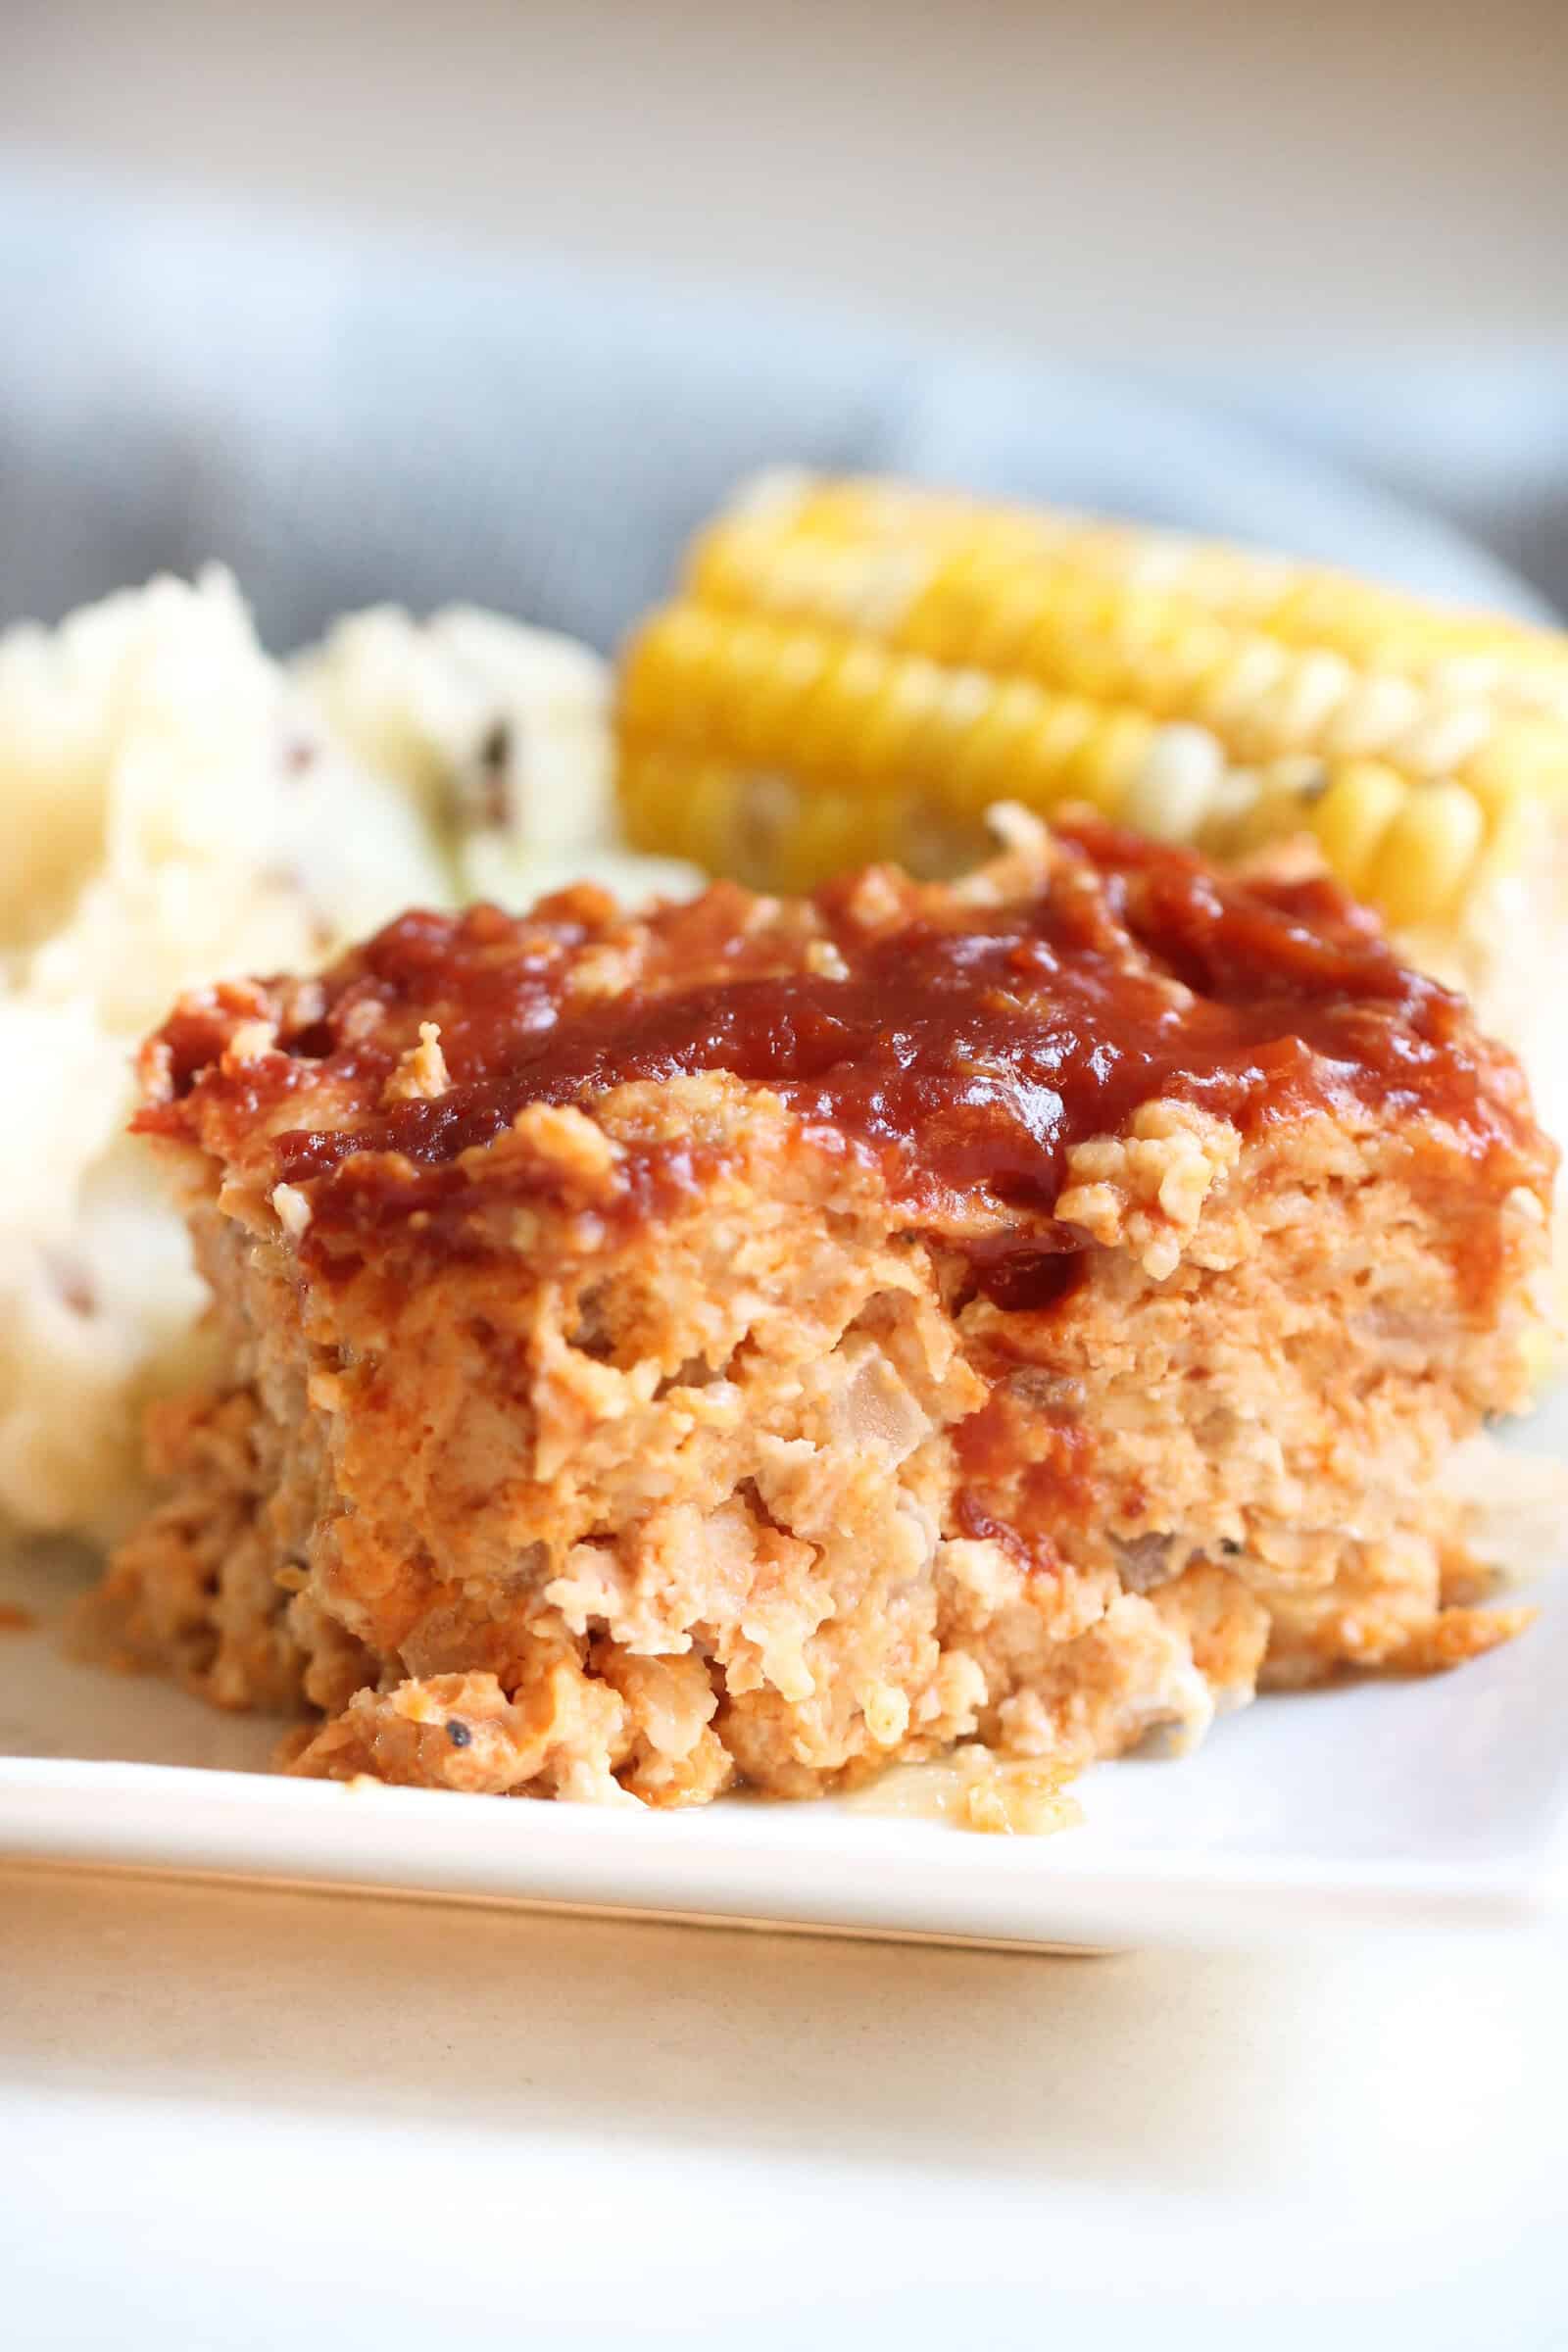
{"x":243,"y":2120}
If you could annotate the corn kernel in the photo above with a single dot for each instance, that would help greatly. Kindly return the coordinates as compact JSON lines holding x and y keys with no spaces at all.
{"x":1522,"y":754}
{"x":985,"y":764}
{"x":1173,"y":794}
{"x":950,"y":612}
{"x":1380,"y":708}
{"x":833,"y":830}
{"x":1426,"y":856}
{"x":706,"y":814}
{"x":1281,"y":804}
{"x":1350,"y":819}
{"x":1442,"y":740}
{"x":831,"y":716}
{"x":907,"y":706}
{"x":1046,"y":760}
{"x":798,"y":660}
{"x":1102,"y":771}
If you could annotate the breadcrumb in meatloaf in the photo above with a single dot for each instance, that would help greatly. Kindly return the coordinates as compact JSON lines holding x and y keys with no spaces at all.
{"x":772,"y":1338}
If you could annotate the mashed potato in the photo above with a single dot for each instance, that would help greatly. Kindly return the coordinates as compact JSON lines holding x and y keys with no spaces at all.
{"x":178,"y":806}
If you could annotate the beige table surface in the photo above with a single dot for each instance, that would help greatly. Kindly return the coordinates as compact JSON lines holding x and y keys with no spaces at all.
{"x":235,"y":2118}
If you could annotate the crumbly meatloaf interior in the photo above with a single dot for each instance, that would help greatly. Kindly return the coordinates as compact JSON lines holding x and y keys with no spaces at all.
{"x":773,"y":1339}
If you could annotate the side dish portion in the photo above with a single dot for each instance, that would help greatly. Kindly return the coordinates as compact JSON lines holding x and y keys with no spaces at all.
{"x":772,"y":1338}
{"x":179,"y":806}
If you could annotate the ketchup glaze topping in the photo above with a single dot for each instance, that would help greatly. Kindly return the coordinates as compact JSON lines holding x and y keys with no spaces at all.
{"x":966,"y":1047}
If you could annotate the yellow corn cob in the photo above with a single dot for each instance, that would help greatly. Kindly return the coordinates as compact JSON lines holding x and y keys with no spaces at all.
{"x":859,"y":668}
{"x":857,"y":548}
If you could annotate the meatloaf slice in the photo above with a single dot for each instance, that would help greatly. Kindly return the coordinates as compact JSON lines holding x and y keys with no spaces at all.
{"x":770,"y":1338}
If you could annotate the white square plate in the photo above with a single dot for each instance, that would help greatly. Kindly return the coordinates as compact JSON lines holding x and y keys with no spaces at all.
{"x":1439,"y":1799}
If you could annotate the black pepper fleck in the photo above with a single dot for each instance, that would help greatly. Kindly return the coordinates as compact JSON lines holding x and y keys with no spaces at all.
{"x":495,"y":764}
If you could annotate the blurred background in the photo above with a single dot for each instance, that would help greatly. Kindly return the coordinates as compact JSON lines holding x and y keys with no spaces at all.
{"x":1338,"y":229}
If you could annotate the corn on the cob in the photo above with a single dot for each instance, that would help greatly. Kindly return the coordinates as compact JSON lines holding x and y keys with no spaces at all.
{"x":864,"y":550}
{"x":859,"y":668}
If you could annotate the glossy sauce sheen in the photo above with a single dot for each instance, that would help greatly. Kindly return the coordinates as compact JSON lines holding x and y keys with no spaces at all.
{"x":966,"y":1048}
